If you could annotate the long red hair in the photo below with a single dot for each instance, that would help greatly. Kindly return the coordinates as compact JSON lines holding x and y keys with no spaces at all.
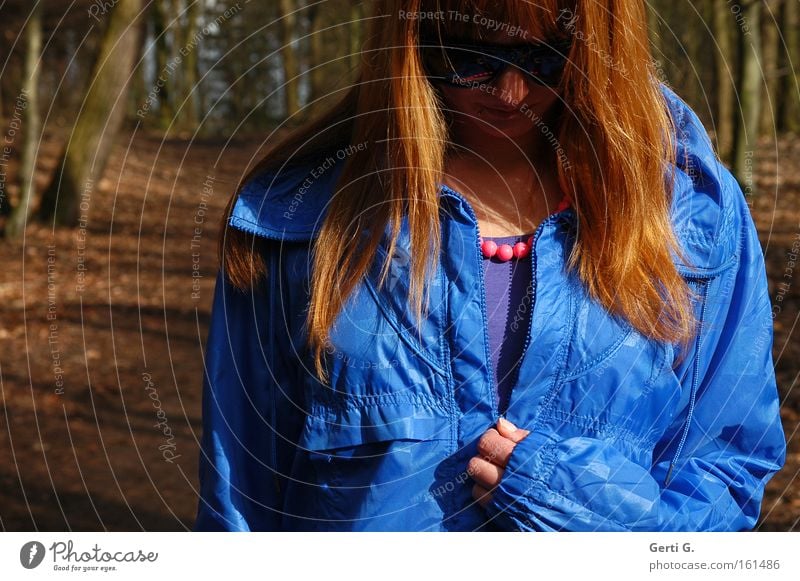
{"x":616,"y":132}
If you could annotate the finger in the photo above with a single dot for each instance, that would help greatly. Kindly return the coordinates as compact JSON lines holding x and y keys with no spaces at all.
{"x":482,"y":495}
{"x":510,"y":431}
{"x":495,"y":448}
{"x":484,"y":473}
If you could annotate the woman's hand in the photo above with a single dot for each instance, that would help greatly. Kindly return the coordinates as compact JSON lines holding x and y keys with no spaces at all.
{"x":494,"y":450}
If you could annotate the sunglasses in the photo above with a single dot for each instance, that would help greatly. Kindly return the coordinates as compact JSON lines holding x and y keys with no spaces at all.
{"x":468,"y":64}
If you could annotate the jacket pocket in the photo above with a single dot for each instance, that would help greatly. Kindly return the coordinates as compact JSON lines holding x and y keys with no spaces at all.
{"x":369,"y":466}
{"x":333,"y":427}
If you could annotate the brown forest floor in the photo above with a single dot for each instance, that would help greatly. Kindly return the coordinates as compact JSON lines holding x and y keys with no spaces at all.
{"x":93,"y":458}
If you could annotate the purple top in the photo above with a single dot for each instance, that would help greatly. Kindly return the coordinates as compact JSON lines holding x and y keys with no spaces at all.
{"x":508,"y":305}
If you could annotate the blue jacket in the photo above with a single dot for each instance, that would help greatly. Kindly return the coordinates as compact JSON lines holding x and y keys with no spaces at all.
{"x":625,"y":434}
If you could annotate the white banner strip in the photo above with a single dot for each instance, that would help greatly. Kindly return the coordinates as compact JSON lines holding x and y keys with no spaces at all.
{"x":400,"y":556}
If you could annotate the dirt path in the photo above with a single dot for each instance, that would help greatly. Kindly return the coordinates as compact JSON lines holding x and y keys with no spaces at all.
{"x":101,"y":348}
{"x":101,"y":369}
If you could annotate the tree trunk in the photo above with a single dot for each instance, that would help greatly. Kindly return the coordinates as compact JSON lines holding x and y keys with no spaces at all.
{"x":288,"y":23}
{"x":771,"y":69}
{"x":790,"y":109}
{"x":99,"y":120}
{"x":356,"y":34}
{"x":161,"y":12}
{"x":725,"y":65}
{"x":693,"y":46}
{"x":750,"y":91}
{"x":653,"y":31}
{"x":32,"y":125}
{"x":139,"y":87}
{"x":317,"y":60}
{"x":190,"y":48}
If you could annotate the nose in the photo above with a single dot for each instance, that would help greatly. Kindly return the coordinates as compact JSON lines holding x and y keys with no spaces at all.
{"x":512,"y":86}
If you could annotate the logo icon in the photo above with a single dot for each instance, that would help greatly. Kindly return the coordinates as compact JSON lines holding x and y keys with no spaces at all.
{"x":31,"y":554}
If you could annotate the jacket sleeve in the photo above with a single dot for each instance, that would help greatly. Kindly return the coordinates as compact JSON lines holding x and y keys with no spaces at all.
{"x":248,"y":416}
{"x":711,"y":465}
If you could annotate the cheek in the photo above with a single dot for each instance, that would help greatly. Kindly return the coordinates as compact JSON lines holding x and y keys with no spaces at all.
{"x":459,"y":100}
{"x":540,"y":97}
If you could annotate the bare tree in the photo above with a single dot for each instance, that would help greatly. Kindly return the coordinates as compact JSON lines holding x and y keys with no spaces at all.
{"x":31,"y":126}
{"x":356,"y":32}
{"x":771,"y":55}
{"x":190,"y":46}
{"x":750,"y":93}
{"x":161,"y":15}
{"x":790,"y":107}
{"x":100,"y":117}
{"x":725,"y":74}
{"x":316,"y":55}
{"x":291,"y":70}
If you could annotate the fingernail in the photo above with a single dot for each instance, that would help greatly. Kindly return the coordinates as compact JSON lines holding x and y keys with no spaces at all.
{"x":508,"y":425}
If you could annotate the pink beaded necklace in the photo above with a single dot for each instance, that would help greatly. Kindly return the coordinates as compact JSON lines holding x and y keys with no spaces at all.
{"x":505,"y":252}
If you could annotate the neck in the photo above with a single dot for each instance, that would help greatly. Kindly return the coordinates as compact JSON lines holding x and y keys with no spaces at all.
{"x":511,"y":184}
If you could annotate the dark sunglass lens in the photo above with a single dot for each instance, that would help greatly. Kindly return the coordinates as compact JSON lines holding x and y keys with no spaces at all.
{"x":547,"y":72}
{"x":468,"y":64}
{"x":458,"y":65}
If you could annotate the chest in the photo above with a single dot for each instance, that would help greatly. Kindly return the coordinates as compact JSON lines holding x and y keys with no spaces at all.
{"x":582,"y":371}
{"x":506,"y":204}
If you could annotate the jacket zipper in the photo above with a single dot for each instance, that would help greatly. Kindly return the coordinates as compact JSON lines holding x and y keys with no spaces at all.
{"x":496,"y":415}
{"x":484,"y":318}
{"x":536,"y":235}
{"x":695,"y":375}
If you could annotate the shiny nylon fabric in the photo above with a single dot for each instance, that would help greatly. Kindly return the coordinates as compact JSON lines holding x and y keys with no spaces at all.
{"x":622,"y":436}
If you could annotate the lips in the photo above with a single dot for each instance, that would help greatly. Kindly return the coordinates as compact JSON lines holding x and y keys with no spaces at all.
{"x":500,"y":111}
{"x":498,"y":114}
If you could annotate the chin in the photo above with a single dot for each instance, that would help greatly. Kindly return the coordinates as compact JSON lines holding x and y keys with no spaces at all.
{"x":513,"y":129}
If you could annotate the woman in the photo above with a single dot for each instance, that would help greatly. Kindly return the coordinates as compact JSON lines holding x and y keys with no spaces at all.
{"x":379,"y":360}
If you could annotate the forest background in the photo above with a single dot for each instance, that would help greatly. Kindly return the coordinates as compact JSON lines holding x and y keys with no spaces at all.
{"x":124,"y":127}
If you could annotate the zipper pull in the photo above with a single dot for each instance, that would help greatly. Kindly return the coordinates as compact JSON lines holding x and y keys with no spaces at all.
{"x":669,"y":474}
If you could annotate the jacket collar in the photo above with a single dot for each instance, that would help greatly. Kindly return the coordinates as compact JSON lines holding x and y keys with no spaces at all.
{"x":286,"y":204}
{"x":706,"y":198}
{"x":289,"y":204}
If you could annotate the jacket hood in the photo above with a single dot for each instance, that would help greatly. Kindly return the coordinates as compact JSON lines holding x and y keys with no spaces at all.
{"x":706,"y":196}
{"x":289,"y":204}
